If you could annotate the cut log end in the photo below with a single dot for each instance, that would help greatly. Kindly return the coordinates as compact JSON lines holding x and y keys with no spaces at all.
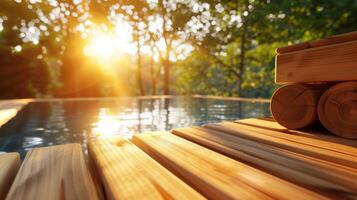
{"x":337,"y":109}
{"x":295,"y":106}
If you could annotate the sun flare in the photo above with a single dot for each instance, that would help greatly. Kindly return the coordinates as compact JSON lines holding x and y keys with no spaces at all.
{"x":106,"y":45}
{"x":101,"y":46}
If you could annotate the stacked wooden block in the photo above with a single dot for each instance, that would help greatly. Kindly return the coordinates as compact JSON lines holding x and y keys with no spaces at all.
{"x":320,"y":80}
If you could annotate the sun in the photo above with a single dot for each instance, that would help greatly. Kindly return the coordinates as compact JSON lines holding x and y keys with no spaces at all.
{"x":101,"y":46}
{"x":107,"y":45}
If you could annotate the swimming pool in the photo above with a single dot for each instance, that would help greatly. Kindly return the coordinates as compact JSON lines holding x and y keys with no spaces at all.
{"x":48,"y":123}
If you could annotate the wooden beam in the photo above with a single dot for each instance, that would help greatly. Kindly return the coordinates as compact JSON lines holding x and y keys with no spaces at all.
{"x":317,"y":133}
{"x":346,"y":37}
{"x":126,"y":172}
{"x":295,"y":146}
{"x":215,"y":175}
{"x":283,"y":164}
{"x":292,"y":48}
{"x":56,"y":173}
{"x":300,"y":139}
{"x":327,"y":63}
{"x":9,"y":165}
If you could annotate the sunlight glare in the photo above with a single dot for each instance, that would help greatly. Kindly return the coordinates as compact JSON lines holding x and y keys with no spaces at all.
{"x":107,"y":127}
{"x":101,"y":46}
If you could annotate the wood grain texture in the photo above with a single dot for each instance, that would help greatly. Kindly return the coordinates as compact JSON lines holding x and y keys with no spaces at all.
{"x":295,"y":105}
{"x":327,"y":63}
{"x":305,"y":171}
{"x":9,"y":165}
{"x":9,"y":108}
{"x":215,"y":175}
{"x":317,"y":133}
{"x":126,"y":172}
{"x":56,"y":173}
{"x":337,"y":109}
{"x":294,"y":47}
{"x":295,"y":146}
{"x":346,"y":37}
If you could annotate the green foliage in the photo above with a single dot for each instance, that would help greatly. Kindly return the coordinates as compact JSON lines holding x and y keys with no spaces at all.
{"x":232,"y":44}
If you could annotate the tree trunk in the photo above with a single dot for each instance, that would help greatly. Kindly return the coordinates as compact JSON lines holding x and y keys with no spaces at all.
{"x":152,"y":74}
{"x":166,"y":61}
{"x":166,"y":76}
{"x":242,"y":59}
{"x":140,"y":84}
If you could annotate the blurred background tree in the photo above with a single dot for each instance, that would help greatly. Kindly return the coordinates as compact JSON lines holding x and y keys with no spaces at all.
{"x":81,"y":48}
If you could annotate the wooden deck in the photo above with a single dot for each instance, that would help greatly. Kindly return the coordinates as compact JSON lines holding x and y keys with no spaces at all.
{"x":245,"y":159}
{"x":9,"y":108}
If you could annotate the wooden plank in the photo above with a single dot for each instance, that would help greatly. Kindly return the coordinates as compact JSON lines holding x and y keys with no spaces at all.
{"x":215,"y":175}
{"x":292,"y":48}
{"x":295,"y":146}
{"x":278,"y":162}
{"x":327,"y":63}
{"x":346,"y":37}
{"x":126,"y":172}
{"x":328,"y":145}
{"x":316,"y":132}
{"x":9,"y":165}
{"x":56,"y":173}
{"x":9,"y":108}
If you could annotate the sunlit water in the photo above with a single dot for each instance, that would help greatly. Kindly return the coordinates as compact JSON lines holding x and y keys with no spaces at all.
{"x":58,"y":122}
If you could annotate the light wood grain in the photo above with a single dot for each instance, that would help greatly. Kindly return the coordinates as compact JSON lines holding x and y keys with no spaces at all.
{"x":56,"y":173}
{"x":337,"y":109}
{"x":215,"y":175}
{"x":318,"y":133}
{"x":295,"y":146}
{"x":9,"y":108}
{"x":328,"y":145}
{"x":327,"y":63}
{"x":346,"y":37}
{"x":9,"y":165}
{"x":301,"y":170}
{"x":126,"y":172}
{"x":295,"y":105}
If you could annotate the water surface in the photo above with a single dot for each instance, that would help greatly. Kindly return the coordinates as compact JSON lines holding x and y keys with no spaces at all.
{"x":49,"y":123}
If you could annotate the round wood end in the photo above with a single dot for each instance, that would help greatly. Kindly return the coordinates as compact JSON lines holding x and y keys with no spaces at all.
{"x":337,"y":109}
{"x":294,"y":106}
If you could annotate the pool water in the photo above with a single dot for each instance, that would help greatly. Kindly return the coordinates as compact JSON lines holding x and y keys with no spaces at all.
{"x":49,"y":123}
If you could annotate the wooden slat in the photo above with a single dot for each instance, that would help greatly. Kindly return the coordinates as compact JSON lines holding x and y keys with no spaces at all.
{"x":128,"y":173}
{"x":215,"y":175}
{"x":9,"y":165}
{"x":294,"y":47}
{"x":327,"y":63}
{"x":56,"y":173}
{"x":284,"y":164}
{"x":295,"y":146}
{"x":328,"y":145}
{"x":334,"y":39}
{"x":346,"y":37}
{"x":317,"y":132}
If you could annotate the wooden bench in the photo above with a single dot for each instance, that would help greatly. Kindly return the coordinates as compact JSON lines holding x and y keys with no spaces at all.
{"x":328,"y":59}
{"x":126,"y":172}
{"x":322,"y":177}
{"x":215,"y":175}
{"x":314,"y":151}
{"x":9,"y":165}
{"x":56,"y":173}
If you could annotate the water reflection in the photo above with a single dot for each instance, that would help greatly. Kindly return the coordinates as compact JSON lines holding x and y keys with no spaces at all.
{"x":58,"y":122}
